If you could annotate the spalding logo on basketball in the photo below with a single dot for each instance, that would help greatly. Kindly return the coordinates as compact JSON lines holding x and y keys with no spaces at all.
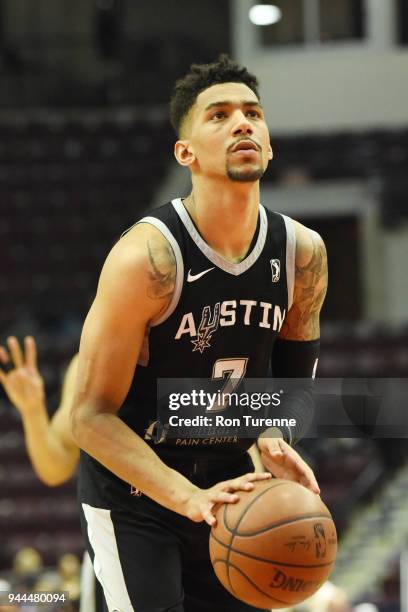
{"x":276,"y":546}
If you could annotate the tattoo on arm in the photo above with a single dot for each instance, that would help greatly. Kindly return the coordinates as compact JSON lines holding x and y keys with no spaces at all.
{"x":302,"y":322}
{"x":162,"y":269}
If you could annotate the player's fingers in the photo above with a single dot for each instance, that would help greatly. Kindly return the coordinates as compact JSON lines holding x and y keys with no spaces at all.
{"x":309,"y":481}
{"x":237,"y":484}
{"x":291,"y":459}
{"x":15,"y":351}
{"x":246,"y":482}
{"x":209,"y":517}
{"x":294,"y":461}
{"x":224,"y":497}
{"x":294,"y":467}
{"x":305,"y":473}
{"x":252,"y":476}
{"x":30,"y":352}
{"x":4,"y":356}
{"x":278,"y":453}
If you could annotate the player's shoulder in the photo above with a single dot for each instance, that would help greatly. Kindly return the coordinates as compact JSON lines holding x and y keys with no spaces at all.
{"x":141,"y":263}
{"x":141,"y":246}
{"x":148,"y":243}
{"x":309,"y":244}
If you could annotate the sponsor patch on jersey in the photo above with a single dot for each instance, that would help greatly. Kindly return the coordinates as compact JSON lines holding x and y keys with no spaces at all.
{"x":275,"y":267}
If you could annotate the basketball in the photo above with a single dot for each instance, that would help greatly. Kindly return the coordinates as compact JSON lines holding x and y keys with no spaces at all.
{"x":276,"y":546}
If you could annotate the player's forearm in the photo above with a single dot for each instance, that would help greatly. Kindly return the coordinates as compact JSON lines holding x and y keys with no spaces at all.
{"x":51,"y":460}
{"x":111,"y":442}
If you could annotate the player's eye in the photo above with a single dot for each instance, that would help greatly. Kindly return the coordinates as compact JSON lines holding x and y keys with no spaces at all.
{"x":218,"y":115}
{"x":253,"y":113}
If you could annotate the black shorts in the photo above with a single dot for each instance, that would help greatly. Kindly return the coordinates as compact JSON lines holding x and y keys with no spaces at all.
{"x":150,"y":559}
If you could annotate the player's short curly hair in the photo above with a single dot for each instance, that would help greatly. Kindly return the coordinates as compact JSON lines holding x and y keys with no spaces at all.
{"x":202,"y":76}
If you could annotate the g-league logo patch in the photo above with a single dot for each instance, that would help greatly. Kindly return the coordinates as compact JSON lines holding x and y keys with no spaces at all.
{"x":275,"y":267}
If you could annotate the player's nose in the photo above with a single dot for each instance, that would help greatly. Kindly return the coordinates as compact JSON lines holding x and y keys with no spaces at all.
{"x":241,"y":124}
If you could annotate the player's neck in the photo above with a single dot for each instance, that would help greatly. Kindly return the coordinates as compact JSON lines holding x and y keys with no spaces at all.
{"x":226,"y":218}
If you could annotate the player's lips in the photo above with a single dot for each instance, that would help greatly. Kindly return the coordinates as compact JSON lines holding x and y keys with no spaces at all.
{"x":244,"y":146}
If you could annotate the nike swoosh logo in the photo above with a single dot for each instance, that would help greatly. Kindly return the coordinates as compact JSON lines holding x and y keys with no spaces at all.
{"x":193,"y":277}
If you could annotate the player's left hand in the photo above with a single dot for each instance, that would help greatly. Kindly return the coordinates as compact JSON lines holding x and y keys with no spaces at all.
{"x":284,"y":462}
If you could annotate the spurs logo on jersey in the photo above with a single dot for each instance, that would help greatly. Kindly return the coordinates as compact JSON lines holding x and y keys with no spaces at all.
{"x":207,"y":328}
{"x":229,"y":313}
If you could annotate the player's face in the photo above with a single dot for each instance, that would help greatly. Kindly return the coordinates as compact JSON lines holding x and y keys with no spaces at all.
{"x":228,"y":133}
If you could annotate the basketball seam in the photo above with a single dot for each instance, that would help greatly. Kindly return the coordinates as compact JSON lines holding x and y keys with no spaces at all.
{"x":301,"y":517}
{"x":233,"y":532}
{"x":287,"y":603}
{"x":246,"y":554}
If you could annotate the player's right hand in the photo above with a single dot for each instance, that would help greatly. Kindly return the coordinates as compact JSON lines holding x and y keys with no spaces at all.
{"x":23,"y":383}
{"x":201,"y":505}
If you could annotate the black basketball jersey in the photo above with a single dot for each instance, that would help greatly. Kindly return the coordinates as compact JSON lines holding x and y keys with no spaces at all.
{"x":222,"y":316}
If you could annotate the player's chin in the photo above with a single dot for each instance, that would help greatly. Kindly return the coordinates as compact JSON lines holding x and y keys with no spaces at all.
{"x":245,"y":174}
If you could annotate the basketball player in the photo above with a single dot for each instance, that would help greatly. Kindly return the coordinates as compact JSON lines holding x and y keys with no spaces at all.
{"x":207,"y":285}
{"x":52,"y":451}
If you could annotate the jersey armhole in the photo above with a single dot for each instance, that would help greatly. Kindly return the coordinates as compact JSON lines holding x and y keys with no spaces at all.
{"x":163,"y":229}
{"x":290,"y":257}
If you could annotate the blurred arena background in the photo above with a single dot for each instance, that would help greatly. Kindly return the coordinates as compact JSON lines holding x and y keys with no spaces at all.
{"x":86,"y":148}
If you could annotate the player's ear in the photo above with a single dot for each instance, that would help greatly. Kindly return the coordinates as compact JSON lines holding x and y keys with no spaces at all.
{"x":270,"y":152}
{"x":184,"y":153}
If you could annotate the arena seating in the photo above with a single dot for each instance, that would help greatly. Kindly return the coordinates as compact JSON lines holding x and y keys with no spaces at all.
{"x":363,"y":349}
{"x":69,"y":186}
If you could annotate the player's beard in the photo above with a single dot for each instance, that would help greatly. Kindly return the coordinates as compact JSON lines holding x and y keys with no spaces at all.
{"x":245,"y":176}
{"x":243,"y":173}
